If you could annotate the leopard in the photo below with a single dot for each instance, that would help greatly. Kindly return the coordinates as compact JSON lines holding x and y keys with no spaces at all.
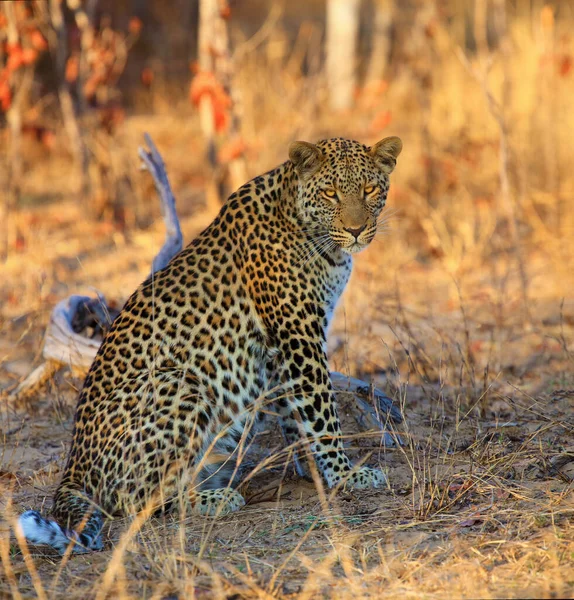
{"x":233,"y":328}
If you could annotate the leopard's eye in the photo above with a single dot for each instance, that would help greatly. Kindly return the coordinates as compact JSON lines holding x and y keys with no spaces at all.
{"x":332,"y":194}
{"x":369,"y":189}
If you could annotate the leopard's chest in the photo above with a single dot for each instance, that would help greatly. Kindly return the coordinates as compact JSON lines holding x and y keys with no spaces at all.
{"x":335,"y":281}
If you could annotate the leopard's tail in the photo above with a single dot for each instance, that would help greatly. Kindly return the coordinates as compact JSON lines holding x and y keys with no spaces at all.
{"x":41,"y":531}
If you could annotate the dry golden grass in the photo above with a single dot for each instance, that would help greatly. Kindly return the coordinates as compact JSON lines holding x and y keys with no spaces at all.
{"x":469,"y":327}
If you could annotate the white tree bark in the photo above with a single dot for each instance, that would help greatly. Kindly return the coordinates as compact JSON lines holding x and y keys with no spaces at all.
{"x":381,"y":45}
{"x":214,"y":55}
{"x":342,"y":30}
{"x":208,"y":42}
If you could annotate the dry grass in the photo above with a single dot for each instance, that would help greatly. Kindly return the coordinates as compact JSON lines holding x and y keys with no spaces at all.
{"x":468,"y":327}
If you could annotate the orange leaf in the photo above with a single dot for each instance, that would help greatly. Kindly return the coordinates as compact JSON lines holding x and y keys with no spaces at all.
{"x":5,"y":95}
{"x":147,"y":76}
{"x":15,"y":58}
{"x":91,"y":86}
{"x":221,"y":118}
{"x":231,"y":150}
{"x":205,"y":84}
{"x":381,"y":120}
{"x":48,"y":139}
{"x":565,"y":65}
{"x":19,"y":242}
{"x":12,"y":47}
{"x":475,"y":346}
{"x":135,"y":26}
{"x":29,"y":56}
{"x":38,"y":41}
{"x":72,"y":69}
{"x":375,"y":88}
{"x":225,"y":11}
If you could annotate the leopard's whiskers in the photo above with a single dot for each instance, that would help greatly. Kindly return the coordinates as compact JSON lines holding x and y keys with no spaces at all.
{"x":311,"y":246}
{"x":324,"y":245}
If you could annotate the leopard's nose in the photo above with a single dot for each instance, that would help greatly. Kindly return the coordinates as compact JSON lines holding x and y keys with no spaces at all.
{"x":356,"y":231}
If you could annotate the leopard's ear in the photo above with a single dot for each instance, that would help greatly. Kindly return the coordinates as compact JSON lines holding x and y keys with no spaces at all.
{"x":306,"y":158}
{"x":385,"y":153}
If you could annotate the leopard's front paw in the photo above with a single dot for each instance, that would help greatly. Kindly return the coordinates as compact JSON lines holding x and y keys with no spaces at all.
{"x":217,"y":503}
{"x":364,"y":478}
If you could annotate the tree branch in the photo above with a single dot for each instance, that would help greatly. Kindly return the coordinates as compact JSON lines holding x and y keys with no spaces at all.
{"x":173,"y":238}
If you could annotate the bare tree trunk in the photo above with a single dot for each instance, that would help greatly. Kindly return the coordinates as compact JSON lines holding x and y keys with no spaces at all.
{"x":381,"y":47}
{"x":548,"y":113}
{"x":215,"y":58}
{"x":208,"y":17}
{"x":22,"y":85}
{"x":509,"y":198}
{"x":342,"y":29}
{"x":58,"y":42}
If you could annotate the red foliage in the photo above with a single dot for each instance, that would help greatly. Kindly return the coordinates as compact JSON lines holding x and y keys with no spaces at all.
{"x":135,"y":26}
{"x":22,"y":53}
{"x":48,"y":138}
{"x":225,"y":11}
{"x":381,"y":120}
{"x":370,"y":96}
{"x":565,"y":65}
{"x":91,"y":86}
{"x":15,"y":57}
{"x":5,"y":95}
{"x":72,"y":69}
{"x":29,"y":56}
{"x":20,"y":241}
{"x":38,"y":41}
{"x":205,"y":84}
{"x":111,"y":116}
{"x":147,"y":76}
{"x":231,"y":150}
{"x":40,"y":134}
{"x":103,"y":66}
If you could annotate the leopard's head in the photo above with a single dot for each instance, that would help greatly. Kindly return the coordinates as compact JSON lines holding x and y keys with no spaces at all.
{"x":342,"y":189}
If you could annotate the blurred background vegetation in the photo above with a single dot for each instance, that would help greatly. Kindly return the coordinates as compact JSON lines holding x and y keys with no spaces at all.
{"x":479,"y":90}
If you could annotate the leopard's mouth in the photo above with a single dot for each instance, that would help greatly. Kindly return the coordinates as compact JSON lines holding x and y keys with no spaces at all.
{"x":354,"y":247}
{"x":351,"y":244}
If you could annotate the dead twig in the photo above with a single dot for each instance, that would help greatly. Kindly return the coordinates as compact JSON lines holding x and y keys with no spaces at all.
{"x":173,"y":239}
